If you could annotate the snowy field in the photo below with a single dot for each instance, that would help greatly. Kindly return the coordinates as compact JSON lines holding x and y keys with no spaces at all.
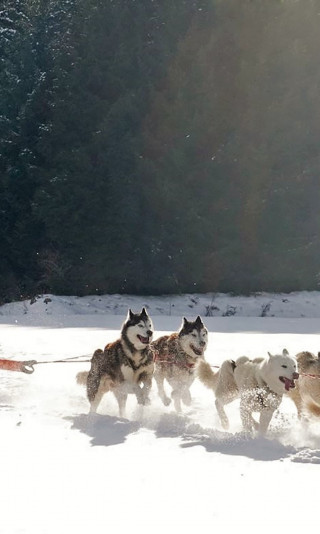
{"x":62,"y":471}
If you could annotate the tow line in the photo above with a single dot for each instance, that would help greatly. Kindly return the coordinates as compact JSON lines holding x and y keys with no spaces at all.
{"x":27,"y":366}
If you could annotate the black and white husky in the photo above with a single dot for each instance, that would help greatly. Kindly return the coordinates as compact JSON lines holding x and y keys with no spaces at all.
{"x":124,"y":366}
{"x":176,"y":356}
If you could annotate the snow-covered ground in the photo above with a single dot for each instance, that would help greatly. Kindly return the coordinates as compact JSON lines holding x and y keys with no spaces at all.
{"x":299,"y":304}
{"x":156,"y":471}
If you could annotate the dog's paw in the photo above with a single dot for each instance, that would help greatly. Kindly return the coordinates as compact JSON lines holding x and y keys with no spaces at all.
{"x":186,"y":398}
{"x":144,"y":401}
{"x":225,"y":424}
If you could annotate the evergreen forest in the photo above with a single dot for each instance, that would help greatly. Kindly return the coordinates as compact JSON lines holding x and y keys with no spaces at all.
{"x":159,"y":146}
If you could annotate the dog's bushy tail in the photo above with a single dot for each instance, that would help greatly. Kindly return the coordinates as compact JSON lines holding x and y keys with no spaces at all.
{"x":206,"y":375}
{"x":82,"y":378}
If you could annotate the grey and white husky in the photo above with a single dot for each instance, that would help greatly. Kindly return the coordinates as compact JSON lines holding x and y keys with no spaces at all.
{"x":124,"y":366}
{"x":260,"y":383}
{"x":176,"y":356}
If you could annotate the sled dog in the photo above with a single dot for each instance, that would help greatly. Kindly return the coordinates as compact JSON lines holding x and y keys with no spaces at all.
{"x":259,"y":383}
{"x":124,"y":366}
{"x":306,"y":395}
{"x":176,"y":356}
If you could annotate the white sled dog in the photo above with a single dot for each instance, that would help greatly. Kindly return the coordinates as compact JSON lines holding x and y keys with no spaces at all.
{"x":260,"y":383}
{"x":124,"y":366}
{"x":176,"y":356}
{"x":306,"y":395}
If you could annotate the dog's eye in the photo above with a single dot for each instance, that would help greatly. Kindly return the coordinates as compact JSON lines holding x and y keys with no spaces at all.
{"x":284,"y":366}
{"x":194,"y":335}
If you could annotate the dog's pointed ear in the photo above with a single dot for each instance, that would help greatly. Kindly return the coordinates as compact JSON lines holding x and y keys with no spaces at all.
{"x":143,"y":313}
{"x":184,"y":324}
{"x":130,"y":314}
{"x":199,"y":320}
{"x":269,"y":354}
{"x":285,"y":352}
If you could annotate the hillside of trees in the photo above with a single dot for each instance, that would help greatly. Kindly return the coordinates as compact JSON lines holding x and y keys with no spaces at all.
{"x":159,"y":146}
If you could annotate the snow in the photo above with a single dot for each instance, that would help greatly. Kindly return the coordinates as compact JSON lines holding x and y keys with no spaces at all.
{"x":63,"y":471}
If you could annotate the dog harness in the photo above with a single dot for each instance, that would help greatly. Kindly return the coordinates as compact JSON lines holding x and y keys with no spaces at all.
{"x":171,"y":359}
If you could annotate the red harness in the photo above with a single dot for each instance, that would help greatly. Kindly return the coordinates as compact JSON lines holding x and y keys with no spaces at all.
{"x":171,"y":359}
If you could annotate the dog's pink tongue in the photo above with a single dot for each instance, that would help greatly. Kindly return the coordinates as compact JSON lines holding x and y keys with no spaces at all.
{"x":288,"y":383}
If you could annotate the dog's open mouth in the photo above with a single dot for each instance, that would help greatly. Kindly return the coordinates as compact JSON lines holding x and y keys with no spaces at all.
{"x":288,"y":382}
{"x":143,"y":339}
{"x":196,"y":350}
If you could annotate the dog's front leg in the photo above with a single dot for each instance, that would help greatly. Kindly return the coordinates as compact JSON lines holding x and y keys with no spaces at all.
{"x":121,"y":397}
{"x":176,"y":396}
{"x":296,"y":397}
{"x":159,"y":378}
{"x":138,"y":391}
{"x":186,"y":396}
{"x":146,"y":380}
{"x":248,"y":422}
{"x":265,"y":418}
{"x":222,"y":414}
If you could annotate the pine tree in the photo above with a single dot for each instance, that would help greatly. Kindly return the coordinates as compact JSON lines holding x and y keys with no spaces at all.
{"x":93,"y":184}
{"x":16,"y":157}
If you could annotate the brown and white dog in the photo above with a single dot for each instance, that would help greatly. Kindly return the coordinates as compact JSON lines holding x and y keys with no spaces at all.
{"x":176,"y":356}
{"x":306,"y":395}
{"x":124,"y":366}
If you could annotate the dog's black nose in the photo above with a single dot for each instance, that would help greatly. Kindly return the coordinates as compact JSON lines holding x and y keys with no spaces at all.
{"x":149,"y":333}
{"x":202,"y":343}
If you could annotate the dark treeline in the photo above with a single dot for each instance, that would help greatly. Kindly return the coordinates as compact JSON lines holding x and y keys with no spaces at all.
{"x":159,"y":146}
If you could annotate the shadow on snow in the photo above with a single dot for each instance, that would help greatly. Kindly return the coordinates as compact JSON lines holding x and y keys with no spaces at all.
{"x":105,"y":430}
